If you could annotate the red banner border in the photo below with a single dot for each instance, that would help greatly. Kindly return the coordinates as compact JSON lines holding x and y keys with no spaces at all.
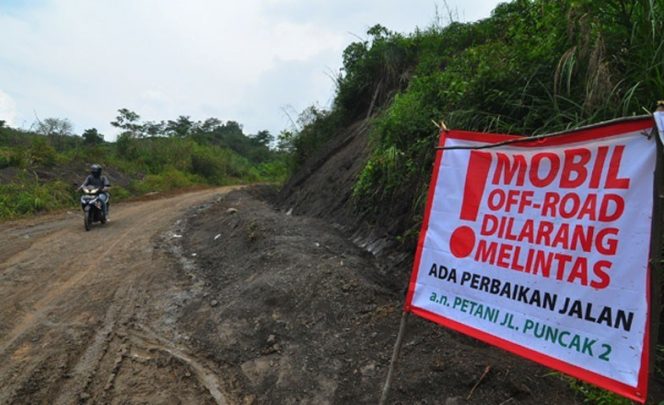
{"x":638,"y":393}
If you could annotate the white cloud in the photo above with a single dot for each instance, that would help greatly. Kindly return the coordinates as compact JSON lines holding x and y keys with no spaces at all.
{"x":243,"y":61}
{"x":7,"y":109}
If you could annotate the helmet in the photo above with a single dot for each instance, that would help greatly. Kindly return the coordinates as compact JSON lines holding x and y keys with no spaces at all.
{"x":95,"y":170}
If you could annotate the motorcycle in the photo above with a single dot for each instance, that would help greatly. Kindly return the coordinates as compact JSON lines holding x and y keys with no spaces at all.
{"x":93,"y":206}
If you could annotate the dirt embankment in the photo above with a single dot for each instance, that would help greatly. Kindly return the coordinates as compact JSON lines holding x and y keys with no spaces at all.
{"x":239,"y":303}
{"x":295,"y":313}
{"x":322,"y":187}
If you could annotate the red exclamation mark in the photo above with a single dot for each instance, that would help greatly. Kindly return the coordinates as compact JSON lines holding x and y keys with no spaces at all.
{"x":462,"y":241}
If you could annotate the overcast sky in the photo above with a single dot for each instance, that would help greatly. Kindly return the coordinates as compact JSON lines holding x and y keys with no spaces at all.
{"x":247,"y":61}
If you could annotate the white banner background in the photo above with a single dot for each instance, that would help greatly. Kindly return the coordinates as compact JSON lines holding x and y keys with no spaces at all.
{"x":627,"y":288}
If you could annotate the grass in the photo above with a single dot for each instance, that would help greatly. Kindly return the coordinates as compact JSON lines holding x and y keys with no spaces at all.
{"x":32,"y":197}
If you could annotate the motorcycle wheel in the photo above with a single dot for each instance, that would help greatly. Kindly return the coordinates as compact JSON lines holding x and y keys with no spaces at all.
{"x":87,"y":220}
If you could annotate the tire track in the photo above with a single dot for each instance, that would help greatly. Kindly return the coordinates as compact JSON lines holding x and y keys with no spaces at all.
{"x":73,"y":295}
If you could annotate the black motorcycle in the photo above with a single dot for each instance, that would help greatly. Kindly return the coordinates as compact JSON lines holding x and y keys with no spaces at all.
{"x":93,"y":207}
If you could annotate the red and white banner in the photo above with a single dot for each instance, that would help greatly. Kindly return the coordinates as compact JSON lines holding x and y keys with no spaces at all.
{"x":542,"y":248}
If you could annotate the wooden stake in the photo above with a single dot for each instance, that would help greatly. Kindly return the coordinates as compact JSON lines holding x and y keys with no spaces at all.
{"x":656,"y":257}
{"x":486,"y":371}
{"x":395,"y":356}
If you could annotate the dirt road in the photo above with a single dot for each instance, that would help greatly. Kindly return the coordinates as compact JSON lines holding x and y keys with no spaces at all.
{"x":216,"y":297}
{"x":87,"y":316}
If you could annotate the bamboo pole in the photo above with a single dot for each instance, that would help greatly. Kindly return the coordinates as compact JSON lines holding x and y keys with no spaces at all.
{"x":395,"y":356}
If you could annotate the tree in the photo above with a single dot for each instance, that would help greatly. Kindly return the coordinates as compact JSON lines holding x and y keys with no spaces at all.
{"x":285,"y":141}
{"x":92,"y":137}
{"x":210,"y":125}
{"x":264,"y":138}
{"x":128,"y":121}
{"x":203,"y":131}
{"x":56,"y":129}
{"x":126,"y":146}
{"x":181,"y":127}
{"x":151,"y":128}
{"x":233,"y":127}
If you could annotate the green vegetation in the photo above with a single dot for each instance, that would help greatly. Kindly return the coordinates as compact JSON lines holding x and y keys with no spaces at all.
{"x":26,"y":197}
{"x":534,"y":66}
{"x":38,"y":168}
{"x":594,"y":395}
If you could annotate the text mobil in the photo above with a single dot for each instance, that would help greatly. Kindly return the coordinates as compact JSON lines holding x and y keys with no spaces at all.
{"x":542,"y":248}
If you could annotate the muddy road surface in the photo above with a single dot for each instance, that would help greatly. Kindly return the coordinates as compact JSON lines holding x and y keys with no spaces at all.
{"x":87,"y":317}
{"x":215,"y":296}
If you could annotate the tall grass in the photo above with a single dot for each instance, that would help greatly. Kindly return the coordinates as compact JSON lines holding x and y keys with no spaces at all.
{"x":30,"y":197}
{"x":531,"y":68}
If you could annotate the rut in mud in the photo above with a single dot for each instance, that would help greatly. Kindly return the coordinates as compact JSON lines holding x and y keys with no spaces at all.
{"x":88,"y":316}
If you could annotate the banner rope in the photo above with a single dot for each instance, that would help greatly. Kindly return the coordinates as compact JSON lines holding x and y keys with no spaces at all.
{"x":545,"y":136}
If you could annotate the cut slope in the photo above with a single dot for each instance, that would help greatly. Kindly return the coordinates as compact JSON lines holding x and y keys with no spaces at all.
{"x":295,"y":313}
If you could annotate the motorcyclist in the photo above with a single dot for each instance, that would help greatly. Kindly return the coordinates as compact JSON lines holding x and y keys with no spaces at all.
{"x":96,"y":180}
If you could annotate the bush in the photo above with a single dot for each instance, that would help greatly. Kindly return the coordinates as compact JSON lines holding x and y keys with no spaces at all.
{"x":276,"y":170}
{"x":9,"y":158}
{"x":169,"y":179}
{"x":119,"y":193}
{"x":221,"y":166}
{"x":521,"y":71}
{"x":207,"y":164}
{"x":41,"y":153}
{"x":22,"y":199}
{"x":126,"y":146}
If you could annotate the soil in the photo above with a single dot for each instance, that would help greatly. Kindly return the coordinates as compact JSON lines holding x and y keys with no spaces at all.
{"x":215,"y":296}
{"x":322,"y":187}
{"x":90,"y":317}
{"x":293,"y":312}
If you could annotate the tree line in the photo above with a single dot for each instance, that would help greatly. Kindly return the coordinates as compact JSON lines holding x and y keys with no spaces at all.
{"x":149,"y":156}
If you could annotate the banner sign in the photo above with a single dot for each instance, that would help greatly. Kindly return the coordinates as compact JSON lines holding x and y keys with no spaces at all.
{"x":541,"y":248}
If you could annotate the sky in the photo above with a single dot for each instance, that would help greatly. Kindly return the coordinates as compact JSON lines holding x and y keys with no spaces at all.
{"x":257,"y":62}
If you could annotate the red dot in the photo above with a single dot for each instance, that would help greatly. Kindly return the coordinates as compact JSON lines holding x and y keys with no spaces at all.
{"x":462,"y":241}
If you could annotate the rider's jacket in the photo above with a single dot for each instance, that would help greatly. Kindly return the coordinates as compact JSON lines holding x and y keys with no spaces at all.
{"x":97,"y":182}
